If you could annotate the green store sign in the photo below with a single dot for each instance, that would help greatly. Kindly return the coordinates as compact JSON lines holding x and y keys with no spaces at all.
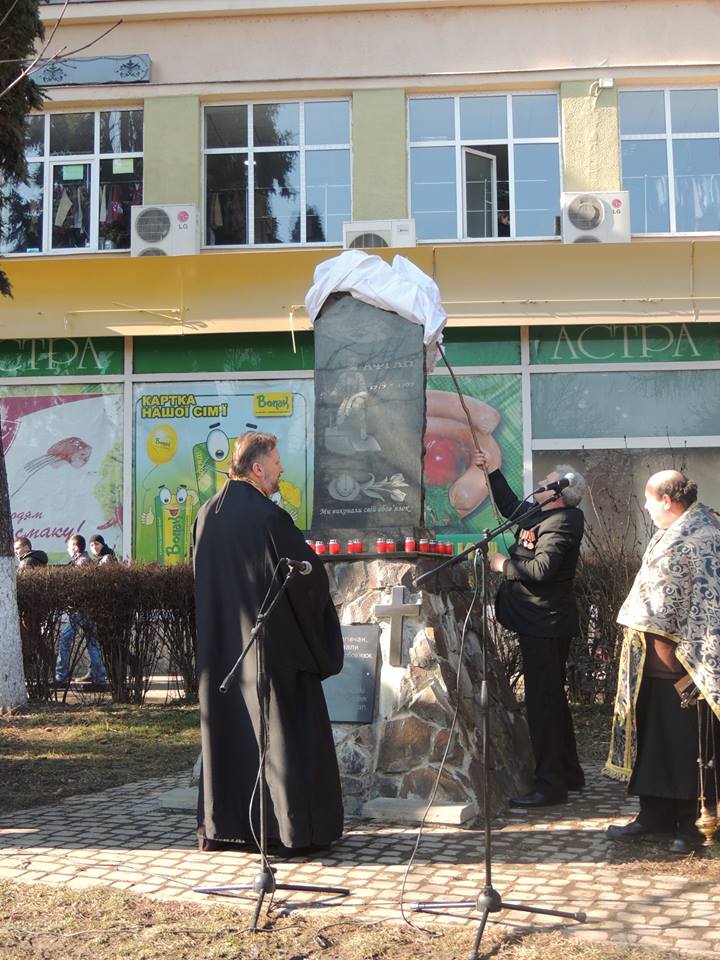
{"x":61,"y":356}
{"x":625,"y":343}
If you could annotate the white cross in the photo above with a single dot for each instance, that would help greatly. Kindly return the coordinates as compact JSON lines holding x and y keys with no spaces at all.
{"x":395,"y":611}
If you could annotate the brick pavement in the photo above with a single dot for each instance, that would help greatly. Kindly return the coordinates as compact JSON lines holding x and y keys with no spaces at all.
{"x":557,"y":858}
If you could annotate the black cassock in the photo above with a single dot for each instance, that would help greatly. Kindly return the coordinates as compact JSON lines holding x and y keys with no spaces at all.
{"x":239,"y":536}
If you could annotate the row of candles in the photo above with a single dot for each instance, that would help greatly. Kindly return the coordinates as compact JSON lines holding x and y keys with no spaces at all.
{"x":383,"y":545}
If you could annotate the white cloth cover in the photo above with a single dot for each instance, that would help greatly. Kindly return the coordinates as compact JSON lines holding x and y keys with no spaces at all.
{"x":402,"y":288}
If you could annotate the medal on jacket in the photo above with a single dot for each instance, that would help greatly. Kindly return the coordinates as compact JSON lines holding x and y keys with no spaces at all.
{"x":528,"y":539}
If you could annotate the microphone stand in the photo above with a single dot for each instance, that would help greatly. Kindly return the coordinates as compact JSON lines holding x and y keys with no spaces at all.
{"x":488,"y":900}
{"x":264,"y":882}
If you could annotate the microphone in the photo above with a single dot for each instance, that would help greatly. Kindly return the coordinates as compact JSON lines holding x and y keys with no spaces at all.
{"x":567,"y":481}
{"x":303,"y":567}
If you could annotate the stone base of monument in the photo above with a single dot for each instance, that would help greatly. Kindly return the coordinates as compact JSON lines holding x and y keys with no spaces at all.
{"x":394,"y":749}
{"x":397,"y":810}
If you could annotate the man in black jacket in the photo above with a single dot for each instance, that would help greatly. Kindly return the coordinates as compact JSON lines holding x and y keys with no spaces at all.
{"x":537,"y":601}
{"x":26,"y":556}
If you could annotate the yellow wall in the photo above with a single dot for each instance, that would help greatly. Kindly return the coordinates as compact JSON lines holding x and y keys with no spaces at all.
{"x":379,"y":154}
{"x":590,"y":145}
{"x":172,"y":150}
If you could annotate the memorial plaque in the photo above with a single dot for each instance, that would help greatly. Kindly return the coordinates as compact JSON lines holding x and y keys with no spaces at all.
{"x":369,"y":418}
{"x":350,"y":695}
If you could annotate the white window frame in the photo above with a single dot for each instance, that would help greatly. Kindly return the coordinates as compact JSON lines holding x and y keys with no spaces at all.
{"x":510,"y":141}
{"x":50,"y":161}
{"x":493,"y":199}
{"x":249,"y":152}
{"x":668,"y":136}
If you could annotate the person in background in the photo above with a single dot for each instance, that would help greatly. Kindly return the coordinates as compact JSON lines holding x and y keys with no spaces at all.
{"x":26,"y":556}
{"x":76,"y":621}
{"x":99,"y":550}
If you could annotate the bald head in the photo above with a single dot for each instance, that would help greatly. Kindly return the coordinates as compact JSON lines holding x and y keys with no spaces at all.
{"x":668,"y":494}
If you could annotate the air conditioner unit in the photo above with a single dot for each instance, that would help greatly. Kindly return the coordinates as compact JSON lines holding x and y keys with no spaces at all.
{"x":359,"y":234}
{"x":164,"y":230}
{"x":596,"y":217}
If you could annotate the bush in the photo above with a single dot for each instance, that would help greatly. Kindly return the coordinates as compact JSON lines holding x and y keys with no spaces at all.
{"x":139,"y":613}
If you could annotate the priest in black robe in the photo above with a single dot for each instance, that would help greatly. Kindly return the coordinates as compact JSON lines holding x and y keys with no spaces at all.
{"x":239,"y":539}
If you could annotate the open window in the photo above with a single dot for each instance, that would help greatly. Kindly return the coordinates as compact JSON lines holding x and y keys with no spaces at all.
{"x":479,"y":193}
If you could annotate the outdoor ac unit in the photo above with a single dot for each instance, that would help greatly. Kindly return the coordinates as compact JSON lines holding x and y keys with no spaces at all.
{"x":167,"y":230}
{"x":359,"y":234}
{"x":596,"y":217}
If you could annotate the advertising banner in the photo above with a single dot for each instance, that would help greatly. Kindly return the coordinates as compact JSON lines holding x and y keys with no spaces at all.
{"x":63,"y":452}
{"x":184,"y":437}
{"x":457,"y":504}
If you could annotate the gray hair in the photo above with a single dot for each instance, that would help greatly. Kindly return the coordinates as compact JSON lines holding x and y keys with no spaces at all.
{"x":574,"y":494}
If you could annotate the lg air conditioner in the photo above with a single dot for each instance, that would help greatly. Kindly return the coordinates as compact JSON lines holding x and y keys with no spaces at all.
{"x":360,"y":234}
{"x":596,"y":217}
{"x":164,"y":230}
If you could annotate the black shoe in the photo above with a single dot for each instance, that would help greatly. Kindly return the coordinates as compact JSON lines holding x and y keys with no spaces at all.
{"x":574,"y":785}
{"x":630,"y":831}
{"x":684,"y":843}
{"x":282,"y":852}
{"x":536,"y":798}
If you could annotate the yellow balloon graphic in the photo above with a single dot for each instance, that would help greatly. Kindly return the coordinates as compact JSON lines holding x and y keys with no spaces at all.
{"x":162,"y":443}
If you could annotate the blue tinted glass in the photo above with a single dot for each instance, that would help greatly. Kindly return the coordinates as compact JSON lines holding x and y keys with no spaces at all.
{"x":21,"y":213}
{"x":327,"y":176}
{"x":537,"y":189}
{"x":226,"y":126}
{"x":644,"y":175}
{"x":627,"y":404}
{"x":697,"y":184}
{"x":276,"y":124}
{"x":642,"y":112}
{"x":432,"y":119}
{"x":277,"y":198}
{"x":483,"y":118}
{"x":694,"y":111}
{"x":535,"y":116}
{"x":327,"y":122}
{"x":433,"y":192}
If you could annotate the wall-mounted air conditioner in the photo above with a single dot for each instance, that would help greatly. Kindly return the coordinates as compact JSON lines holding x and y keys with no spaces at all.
{"x":359,"y":234}
{"x":164,"y":230}
{"x":596,"y":217}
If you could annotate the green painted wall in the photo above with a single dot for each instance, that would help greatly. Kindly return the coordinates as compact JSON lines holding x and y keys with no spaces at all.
{"x":172,"y":150}
{"x":379,"y":152}
{"x":591,"y":144}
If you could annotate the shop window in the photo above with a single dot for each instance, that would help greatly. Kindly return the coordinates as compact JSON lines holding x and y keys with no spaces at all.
{"x":85,"y":172}
{"x":671,"y":159}
{"x":484,"y":167}
{"x":277,"y":173}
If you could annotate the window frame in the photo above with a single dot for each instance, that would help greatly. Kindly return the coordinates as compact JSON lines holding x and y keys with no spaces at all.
{"x":669,"y":137}
{"x":50,"y":161}
{"x":459,"y":143}
{"x":301,"y":148}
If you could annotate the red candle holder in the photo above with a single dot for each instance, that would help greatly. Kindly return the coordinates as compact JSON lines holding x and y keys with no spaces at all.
{"x":311,"y":544}
{"x":334,"y":546}
{"x":424,"y":545}
{"x":390,"y":546}
{"x":410,"y":544}
{"x":320,"y":546}
{"x":381,"y":545}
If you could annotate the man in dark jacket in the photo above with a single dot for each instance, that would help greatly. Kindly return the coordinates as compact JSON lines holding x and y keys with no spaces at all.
{"x":537,"y":601}
{"x":239,"y":541}
{"x":26,"y":556}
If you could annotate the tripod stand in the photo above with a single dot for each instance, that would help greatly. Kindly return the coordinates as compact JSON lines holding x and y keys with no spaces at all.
{"x":264,"y":882}
{"x":488,"y":900}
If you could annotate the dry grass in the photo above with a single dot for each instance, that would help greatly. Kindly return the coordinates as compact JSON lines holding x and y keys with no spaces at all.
{"x":100,"y":924}
{"x":52,"y":751}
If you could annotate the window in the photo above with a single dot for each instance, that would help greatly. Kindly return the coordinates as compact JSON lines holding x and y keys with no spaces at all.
{"x":671,"y":159}
{"x":85,"y":171}
{"x":484,"y":167}
{"x":277,"y":172}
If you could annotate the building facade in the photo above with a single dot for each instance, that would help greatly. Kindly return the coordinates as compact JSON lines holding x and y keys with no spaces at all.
{"x":123,"y":379}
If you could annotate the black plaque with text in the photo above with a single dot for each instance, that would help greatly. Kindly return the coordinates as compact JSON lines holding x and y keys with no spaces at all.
{"x":369,"y":418}
{"x":350,"y":695}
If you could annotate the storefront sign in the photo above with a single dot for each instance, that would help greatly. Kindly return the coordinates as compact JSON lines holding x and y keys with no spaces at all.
{"x":61,"y":356}
{"x":625,"y":343}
